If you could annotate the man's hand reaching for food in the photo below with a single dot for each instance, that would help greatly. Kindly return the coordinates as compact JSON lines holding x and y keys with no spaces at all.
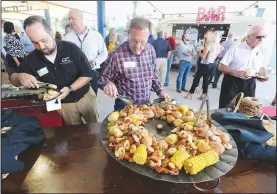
{"x":27,"y":80}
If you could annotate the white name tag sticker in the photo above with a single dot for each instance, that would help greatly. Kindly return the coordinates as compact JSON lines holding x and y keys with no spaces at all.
{"x":43,"y":71}
{"x":129,"y":64}
{"x":52,"y":105}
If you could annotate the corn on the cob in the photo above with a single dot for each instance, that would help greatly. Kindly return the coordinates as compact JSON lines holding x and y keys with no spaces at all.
{"x":140,"y":155}
{"x":198,"y":163}
{"x":178,"y":158}
{"x":211,"y":157}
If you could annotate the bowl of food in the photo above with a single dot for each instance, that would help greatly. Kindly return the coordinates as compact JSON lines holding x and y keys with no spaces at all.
{"x":163,"y":143}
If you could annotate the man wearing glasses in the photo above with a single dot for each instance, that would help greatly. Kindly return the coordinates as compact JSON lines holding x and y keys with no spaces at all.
{"x":130,"y":69}
{"x":241,"y":62}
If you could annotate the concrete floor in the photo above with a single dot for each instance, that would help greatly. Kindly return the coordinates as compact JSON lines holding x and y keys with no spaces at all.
{"x":264,"y":91}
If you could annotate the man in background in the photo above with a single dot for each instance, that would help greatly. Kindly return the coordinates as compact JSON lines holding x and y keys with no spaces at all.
{"x":163,"y":52}
{"x":172,"y":44}
{"x":226,"y":45}
{"x":90,"y":41}
{"x":240,"y":63}
{"x":67,"y":29}
{"x":28,"y":45}
{"x":124,"y":37}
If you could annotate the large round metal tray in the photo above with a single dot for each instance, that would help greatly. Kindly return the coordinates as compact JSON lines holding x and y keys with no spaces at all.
{"x":227,"y":160}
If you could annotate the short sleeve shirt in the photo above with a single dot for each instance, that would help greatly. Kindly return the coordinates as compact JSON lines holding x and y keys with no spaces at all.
{"x":242,"y":57}
{"x":70,"y":64}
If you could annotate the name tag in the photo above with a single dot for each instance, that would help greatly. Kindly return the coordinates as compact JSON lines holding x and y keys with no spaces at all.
{"x":129,"y":64}
{"x":43,"y":71}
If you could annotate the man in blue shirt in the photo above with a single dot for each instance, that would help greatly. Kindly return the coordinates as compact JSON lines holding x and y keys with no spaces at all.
{"x":163,"y":52}
{"x":28,"y":45}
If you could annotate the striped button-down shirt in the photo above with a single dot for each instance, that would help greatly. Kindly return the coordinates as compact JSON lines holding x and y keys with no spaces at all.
{"x":133,"y":75}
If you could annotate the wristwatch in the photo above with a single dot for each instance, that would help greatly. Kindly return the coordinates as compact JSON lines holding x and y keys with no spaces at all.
{"x":70,"y":89}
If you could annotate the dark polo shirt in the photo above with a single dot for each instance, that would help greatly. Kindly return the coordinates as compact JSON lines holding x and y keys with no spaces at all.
{"x":70,"y":64}
{"x":161,"y":47}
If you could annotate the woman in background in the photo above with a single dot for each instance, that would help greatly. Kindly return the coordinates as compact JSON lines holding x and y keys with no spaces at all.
{"x":13,"y":45}
{"x":210,"y":51}
{"x":113,"y":41}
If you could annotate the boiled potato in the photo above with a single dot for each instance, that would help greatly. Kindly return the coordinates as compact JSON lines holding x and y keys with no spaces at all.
{"x":183,"y":108}
{"x":172,"y":139}
{"x":177,"y":122}
{"x":170,"y":119}
{"x":177,"y":114}
{"x":113,"y":117}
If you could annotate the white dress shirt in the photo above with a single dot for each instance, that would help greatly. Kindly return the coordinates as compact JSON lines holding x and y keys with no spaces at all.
{"x":92,"y":44}
{"x":242,"y":57}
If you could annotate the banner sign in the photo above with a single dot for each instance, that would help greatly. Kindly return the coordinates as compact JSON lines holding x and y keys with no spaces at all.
{"x":211,"y":15}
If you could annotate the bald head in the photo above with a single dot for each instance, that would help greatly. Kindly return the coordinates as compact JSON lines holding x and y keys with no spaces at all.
{"x":255,"y":36}
{"x":75,"y":17}
{"x":231,"y":35}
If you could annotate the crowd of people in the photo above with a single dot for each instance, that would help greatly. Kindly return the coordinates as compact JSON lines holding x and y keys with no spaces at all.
{"x":131,"y":65}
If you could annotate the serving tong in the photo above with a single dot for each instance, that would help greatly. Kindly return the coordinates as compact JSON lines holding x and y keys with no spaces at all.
{"x":205,"y":100}
{"x":125,"y":99}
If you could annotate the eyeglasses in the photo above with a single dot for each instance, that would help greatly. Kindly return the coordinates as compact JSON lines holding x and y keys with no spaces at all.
{"x":259,"y":37}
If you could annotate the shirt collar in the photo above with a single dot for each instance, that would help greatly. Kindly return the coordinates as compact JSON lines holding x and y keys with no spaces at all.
{"x":82,"y":33}
{"x":249,"y":48}
{"x":41,"y":55}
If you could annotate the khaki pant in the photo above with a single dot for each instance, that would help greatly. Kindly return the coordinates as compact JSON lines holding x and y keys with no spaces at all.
{"x":161,"y":69}
{"x":86,"y":107}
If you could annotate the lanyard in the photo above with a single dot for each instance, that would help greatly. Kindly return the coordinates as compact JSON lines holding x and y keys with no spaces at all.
{"x":81,"y":41}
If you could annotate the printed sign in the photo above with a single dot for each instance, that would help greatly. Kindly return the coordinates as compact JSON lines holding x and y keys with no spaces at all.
{"x":179,"y":33}
{"x":211,"y":16}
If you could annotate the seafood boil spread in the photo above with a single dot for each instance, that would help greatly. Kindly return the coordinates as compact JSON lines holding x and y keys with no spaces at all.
{"x":189,"y":145}
{"x":45,"y":91}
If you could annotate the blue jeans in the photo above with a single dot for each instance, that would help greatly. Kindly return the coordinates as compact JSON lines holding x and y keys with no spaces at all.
{"x":184,"y":69}
{"x":169,"y":63}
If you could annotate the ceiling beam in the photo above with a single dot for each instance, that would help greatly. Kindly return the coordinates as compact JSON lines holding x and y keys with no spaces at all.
{"x":50,"y":3}
{"x":250,"y":6}
{"x":155,"y":7}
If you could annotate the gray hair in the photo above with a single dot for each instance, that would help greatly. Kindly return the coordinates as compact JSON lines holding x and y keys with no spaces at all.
{"x":160,"y":34}
{"x":254,"y":29}
{"x":37,"y":19}
{"x":140,"y":22}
